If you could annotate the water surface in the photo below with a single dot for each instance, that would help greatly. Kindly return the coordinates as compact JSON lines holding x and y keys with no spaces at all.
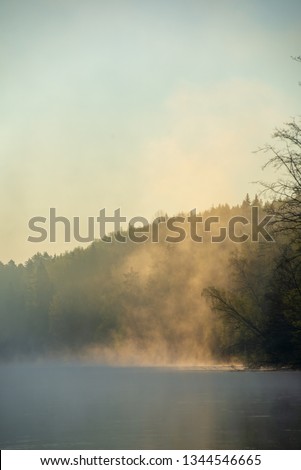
{"x":71,"y":406}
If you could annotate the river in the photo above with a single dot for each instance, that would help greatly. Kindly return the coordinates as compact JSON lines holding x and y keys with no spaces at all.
{"x":86,"y":406}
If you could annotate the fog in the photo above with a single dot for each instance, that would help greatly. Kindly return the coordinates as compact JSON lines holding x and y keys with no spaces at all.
{"x":124,"y":303}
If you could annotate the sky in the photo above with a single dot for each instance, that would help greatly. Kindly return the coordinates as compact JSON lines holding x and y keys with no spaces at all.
{"x":145,"y":106}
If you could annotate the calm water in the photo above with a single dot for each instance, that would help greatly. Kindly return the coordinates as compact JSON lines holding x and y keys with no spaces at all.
{"x":95,"y":407}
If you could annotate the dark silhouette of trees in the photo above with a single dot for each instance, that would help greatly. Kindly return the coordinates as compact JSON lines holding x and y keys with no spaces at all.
{"x":285,"y":157}
{"x":263,"y":300}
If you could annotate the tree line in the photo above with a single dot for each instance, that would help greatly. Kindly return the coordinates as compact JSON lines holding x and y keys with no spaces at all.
{"x":131,"y":303}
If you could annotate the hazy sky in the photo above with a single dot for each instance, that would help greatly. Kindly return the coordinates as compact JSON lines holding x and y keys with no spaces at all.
{"x":142,"y":105}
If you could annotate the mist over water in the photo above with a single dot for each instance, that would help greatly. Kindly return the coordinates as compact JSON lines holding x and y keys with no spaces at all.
{"x":85,"y":406}
{"x":118,"y":304}
{"x":136,"y":304}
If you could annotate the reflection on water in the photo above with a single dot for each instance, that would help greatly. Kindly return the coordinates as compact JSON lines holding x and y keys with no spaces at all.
{"x":94,"y":407}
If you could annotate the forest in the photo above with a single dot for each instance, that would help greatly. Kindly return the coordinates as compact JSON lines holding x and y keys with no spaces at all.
{"x":166,"y":303}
